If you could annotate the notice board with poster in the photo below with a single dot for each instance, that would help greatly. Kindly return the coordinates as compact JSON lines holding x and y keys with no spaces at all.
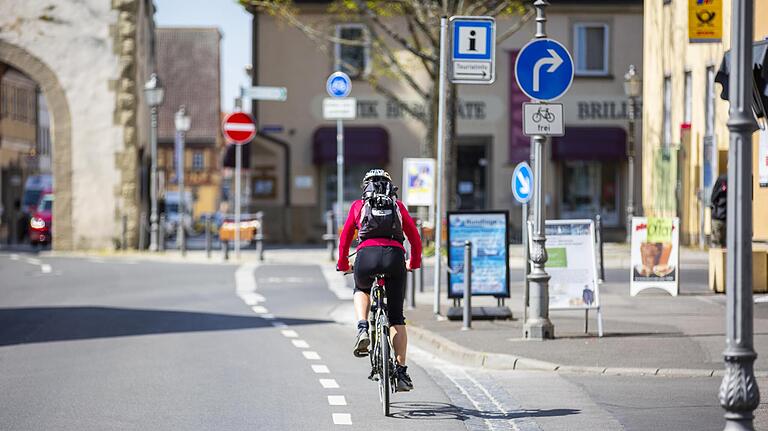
{"x":419,"y":182}
{"x":655,"y":254}
{"x":489,"y":234}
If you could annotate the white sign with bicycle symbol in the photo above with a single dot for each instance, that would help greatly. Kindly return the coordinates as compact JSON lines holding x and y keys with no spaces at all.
{"x":543,"y":119}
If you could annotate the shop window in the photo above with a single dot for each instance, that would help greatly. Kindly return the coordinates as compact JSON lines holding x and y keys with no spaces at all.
{"x":591,"y":43}
{"x":687,"y":94}
{"x":198,"y":161}
{"x":353,"y":59}
{"x":709,"y":108}
{"x":353,"y":176}
{"x":667,"y":120}
{"x":265,"y":187}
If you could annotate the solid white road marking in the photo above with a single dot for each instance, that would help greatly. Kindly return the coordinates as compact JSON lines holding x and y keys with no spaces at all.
{"x":312,"y":356}
{"x":259,"y":309}
{"x":45,"y":268}
{"x":251,"y":298}
{"x":337,"y":283}
{"x":301,"y":344}
{"x":289,"y":333}
{"x":337,"y":400}
{"x":342,"y":419}
{"x":320,"y":369}
{"x":329,"y":383}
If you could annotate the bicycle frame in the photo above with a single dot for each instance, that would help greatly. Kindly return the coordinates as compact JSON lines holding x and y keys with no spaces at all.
{"x":382,"y":368}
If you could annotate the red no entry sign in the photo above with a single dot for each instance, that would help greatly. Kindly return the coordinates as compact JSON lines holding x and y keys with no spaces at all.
{"x":239,"y":127}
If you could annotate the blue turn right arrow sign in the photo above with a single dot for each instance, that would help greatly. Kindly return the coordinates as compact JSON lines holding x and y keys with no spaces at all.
{"x":522,"y":183}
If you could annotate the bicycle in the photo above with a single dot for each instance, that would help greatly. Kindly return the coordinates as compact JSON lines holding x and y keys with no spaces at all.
{"x":380,"y":351}
{"x":543,"y":114}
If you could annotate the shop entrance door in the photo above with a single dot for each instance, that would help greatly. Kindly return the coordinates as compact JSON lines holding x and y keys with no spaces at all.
{"x":590,"y":188}
{"x":472,"y":173}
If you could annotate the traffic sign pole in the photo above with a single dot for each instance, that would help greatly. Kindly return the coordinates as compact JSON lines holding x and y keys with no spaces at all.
{"x":239,"y":128}
{"x":438,"y":221}
{"x":339,"y":174}
{"x":537,"y":325}
{"x":238,"y":171}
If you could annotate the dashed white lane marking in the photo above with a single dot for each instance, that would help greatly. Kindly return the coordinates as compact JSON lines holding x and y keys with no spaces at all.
{"x":45,"y":268}
{"x":312,"y":356}
{"x":289,"y":333}
{"x":14,"y":257}
{"x":278,"y":324}
{"x":251,"y":298}
{"x":342,"y":419}
{"x":33,"y":261}
{"x":268,"y":316}
{"x":259,"y":309}
{"x":337,"y":400}
{"x":320,"y":369}
{"x":329,"y":383}
{"x":301,"y":344}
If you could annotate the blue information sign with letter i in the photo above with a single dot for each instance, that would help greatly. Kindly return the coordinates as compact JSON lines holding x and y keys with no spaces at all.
{"x":473,"y":49}
{"x":544,"y":69}
{"x":522,"y":183}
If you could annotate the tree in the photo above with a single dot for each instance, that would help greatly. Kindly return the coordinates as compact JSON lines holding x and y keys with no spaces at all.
{"x":418,"y":68}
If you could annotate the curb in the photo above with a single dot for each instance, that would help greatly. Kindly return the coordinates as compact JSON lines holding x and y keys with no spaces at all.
{"x":454,"y":352}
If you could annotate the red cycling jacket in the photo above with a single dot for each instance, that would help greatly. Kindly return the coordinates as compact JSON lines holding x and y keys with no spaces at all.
{"x":348,"y":233}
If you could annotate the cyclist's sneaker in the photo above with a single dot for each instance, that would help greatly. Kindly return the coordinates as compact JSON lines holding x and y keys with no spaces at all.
{"x":362,"y":340}
{"x":404,"y":383}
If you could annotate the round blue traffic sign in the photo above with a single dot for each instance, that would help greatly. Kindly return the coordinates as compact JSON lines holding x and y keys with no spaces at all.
{"x":522,"y":183}
{"x":544,"y":69}
{"x":338,"y":85}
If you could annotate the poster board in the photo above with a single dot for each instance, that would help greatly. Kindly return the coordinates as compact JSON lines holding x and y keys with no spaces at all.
{"x":655,"y":255}
{"x":489,"y":233}
{"x":705,"y":21}
{"x":419,"y":182}
{"x":572,"y":265}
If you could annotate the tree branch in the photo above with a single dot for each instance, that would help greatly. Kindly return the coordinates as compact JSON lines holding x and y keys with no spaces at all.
{"x":391,"y":33}
{"x":516,"y":27}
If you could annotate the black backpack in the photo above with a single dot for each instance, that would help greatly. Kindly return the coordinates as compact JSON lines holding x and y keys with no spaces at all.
{"x":380,"y":216}
{"x":719,"y":198}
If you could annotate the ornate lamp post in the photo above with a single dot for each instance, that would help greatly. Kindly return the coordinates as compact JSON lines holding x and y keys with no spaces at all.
{"x":153,"y":94}
{"x":183,"y":122}
{"x":632,"y":88}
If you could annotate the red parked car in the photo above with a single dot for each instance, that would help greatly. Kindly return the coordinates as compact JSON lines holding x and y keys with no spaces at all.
{"x":40,"y":223}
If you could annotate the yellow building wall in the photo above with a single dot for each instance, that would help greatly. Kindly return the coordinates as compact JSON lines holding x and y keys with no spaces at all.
{"x":760,"y":203}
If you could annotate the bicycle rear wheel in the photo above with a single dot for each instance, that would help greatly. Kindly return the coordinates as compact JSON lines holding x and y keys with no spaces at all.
{"x":385,"y":382}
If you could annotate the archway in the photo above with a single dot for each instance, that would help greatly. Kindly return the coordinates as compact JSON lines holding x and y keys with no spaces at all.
{"x":30,"y":65}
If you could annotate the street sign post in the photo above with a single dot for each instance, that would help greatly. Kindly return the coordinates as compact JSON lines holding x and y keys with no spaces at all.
{"x":279,"y":94}
{"x":339,"y":86}
{"x":544,"y":69}
{"x":473,"y":49}
{"x":522,"y":183}
{"x":543,"y":119}
{"x":238,"y":128}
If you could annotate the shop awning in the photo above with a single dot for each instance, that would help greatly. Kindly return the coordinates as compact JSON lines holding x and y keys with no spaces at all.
{"x":361,"y":145}
{"x":590,"y":143}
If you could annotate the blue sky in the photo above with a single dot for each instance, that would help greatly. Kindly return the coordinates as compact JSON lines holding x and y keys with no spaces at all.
{"x":234,"y":24}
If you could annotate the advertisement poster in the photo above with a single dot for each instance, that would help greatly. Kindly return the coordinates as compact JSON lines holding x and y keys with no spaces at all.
{"x":419,"y":182}
{"x":572,"y":264}
{"x":655,"y":254}
{"x":488,"y":232}
{"x":762,"y":158}
{"x":705,"y":21}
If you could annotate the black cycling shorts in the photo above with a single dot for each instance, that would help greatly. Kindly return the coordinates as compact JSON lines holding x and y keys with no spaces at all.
{"x":374,"y":260}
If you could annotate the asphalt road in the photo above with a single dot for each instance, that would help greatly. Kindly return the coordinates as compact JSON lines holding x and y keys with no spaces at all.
{"x":101,"y":343}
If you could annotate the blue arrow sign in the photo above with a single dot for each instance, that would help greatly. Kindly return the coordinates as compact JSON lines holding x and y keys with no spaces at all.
{"x":544,"y":69}
{"x":338,"y":85}
{"x":522,"y":183}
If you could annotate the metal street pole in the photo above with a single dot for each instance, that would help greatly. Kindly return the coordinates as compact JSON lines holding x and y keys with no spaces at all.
{"x":154,"y":216}
{"x":238,"y":170}
{"x":526,"y":264}
{"x":182,"y":195}
{"x":631,"y":167}
{"x":339,"y":173}
{"x":739,"y":394}
{"x":538,"y":326}
{"x":438,"y":221}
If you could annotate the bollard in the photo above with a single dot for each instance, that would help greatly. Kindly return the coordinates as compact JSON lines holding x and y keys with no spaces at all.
{"x":208,"y":236}
{"x":330,"y":237}
{"x":467,"y":286}
{"x":599,"y":234}
{"x":142,"y":229}
{"x":225,"y":249}
{"x":124,"y":234}
{"x":260,"y":236}
{"x":412,"y":290}
{"x":161,"y":233}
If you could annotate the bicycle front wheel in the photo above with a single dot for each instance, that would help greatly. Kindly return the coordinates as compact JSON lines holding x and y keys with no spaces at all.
{"x":385,"y":370}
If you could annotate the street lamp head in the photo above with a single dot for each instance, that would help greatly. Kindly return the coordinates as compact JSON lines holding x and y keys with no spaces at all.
{"x":182,"y":121}
{"x":154,"y":91}
{"x":632,"y":82}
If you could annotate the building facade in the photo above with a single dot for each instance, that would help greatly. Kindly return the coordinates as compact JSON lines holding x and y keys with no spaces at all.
{"x":294,"y":157}
{"x":188,"y":62}
{"x":89,"y":59}
{"x":684,"y":119}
